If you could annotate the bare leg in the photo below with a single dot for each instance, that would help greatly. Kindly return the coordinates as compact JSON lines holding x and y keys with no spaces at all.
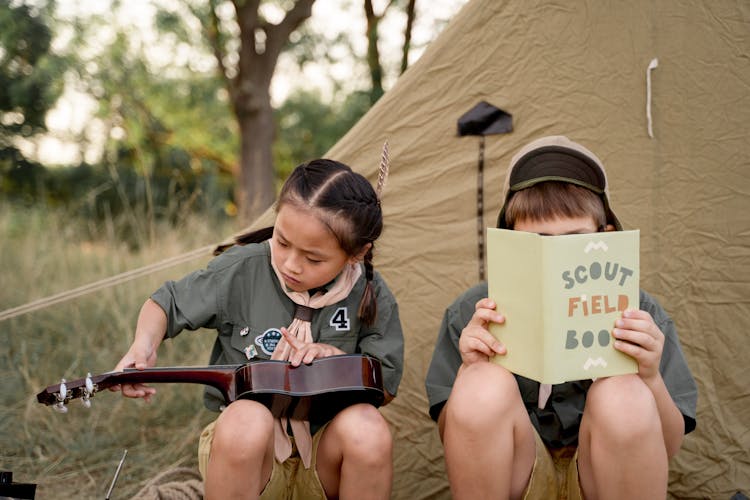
{"x":488,"y":437}
{"x":241,"y":458}
{"x":621,"y":451}
{"x":355,"y":455}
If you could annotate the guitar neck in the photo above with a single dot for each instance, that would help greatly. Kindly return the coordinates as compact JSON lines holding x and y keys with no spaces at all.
{"x":316,"y":391}
{"x":222,"y":377}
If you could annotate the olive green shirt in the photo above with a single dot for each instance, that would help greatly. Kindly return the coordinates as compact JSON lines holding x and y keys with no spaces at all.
{"x":558,"y":422}
{"x":239,"y":296}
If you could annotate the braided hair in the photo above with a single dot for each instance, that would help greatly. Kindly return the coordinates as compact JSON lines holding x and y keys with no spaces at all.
{"x":346,"y":203}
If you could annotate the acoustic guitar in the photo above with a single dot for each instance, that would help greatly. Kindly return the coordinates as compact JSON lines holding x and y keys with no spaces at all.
{"x":315,"y":392}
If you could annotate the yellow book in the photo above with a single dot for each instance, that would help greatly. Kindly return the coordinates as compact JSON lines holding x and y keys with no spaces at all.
{"x":561,"y":296}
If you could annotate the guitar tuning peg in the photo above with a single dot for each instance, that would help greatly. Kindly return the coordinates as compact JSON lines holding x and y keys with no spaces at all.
{"x":89,"y":384}
{"x":88,"y":391}
{"x":62,"y":395}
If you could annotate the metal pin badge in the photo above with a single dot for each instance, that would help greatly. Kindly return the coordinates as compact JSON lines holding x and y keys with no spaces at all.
{"x":250,"y":352}
{"x":244,"y":331}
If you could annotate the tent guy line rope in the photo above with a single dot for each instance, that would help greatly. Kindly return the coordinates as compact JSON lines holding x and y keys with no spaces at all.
{"x":104,"y":283}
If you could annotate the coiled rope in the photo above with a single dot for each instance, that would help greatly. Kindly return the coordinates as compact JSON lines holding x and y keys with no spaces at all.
{"x":180,"y":483}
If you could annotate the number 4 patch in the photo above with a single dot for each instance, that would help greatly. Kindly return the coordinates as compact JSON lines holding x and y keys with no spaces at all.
{"x":340,"y":319}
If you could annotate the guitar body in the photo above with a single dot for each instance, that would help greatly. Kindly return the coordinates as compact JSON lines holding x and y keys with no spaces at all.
{"x":315,"y":392}
{"x":308,"y":392}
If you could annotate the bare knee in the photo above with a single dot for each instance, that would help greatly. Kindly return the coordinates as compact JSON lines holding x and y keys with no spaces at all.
{"x":363,"y":434}
{"x":243,"y":431}
{"x":622,"y":408}
{"x":482,"y":393}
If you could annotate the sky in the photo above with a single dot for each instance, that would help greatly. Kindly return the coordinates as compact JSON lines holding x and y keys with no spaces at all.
{"x":73,"y":114}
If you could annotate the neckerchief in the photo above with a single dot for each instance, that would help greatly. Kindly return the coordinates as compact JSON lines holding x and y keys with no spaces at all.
{"x":545,"y":390}
{"x":300,"y":329}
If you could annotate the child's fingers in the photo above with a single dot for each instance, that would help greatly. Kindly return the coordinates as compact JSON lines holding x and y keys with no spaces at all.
{"x":495,"y":345}
{"x":639,"y":328}
{"x":641,"y":321}
{"x":309,"y":356}
{"x":302,"y":352}
{"x":485,"y":312}
{"x":637,"y":335}
{"x":301,"y":355}
{"x":293,"y":341}
{"x":637,"y":314}
{"x":647,"y":359}
{"x":305,"y":356}
{"x":630,"y":336}
{"x":636,"y":325}
{"x":483,"y":317}
{"x":485,"y":303}
{"x":482,"y":341}
{"x":295,"y":358}
{"x":124,"y":363}
{"x":632,"y":350}
{"x":311,"y":352}
{"x":138,"y":391}
{"x":639,"y":339}
{"x":475,"y":345}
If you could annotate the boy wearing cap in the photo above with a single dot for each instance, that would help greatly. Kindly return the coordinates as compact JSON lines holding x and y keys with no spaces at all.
{"x":505,"y":435}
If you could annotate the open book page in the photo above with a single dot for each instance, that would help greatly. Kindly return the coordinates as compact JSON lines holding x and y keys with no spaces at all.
{"x":514,"y":283}
{"x":561,"y":296}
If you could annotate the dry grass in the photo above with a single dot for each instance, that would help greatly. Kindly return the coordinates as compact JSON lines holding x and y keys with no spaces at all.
{"x":75,"y":455}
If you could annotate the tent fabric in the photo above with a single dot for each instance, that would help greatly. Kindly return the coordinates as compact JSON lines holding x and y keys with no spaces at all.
{"x":579,"y":69}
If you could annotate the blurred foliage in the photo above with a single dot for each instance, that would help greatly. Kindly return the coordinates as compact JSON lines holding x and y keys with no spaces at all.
{"x":171,"y":137}
{"x":172,"y":129}
{"x":308,"y":127}
{"x":30,"y":74}
{"x":95,"y":194}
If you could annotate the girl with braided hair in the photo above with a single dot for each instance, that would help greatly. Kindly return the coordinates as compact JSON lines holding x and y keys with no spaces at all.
{"x":301,"y":290}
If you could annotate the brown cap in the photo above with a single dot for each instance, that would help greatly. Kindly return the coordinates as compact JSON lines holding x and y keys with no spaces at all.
{"x":556,"y":158}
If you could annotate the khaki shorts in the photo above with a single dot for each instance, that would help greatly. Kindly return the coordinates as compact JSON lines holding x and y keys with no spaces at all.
{"x":289,"y":480}
{"x":555,"y":474}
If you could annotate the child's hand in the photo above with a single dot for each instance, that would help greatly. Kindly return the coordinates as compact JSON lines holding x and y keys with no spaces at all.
{"x":476,"y":342}
{"x":304,"y":352}
{"x":137,"y":357}
{"x":637,"y":335}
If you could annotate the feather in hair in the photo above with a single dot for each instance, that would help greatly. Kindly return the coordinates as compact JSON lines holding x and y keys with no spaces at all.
{"x":385,"y":163}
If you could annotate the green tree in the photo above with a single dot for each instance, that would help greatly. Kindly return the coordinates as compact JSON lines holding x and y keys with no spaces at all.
{"x":30,"y":73}
{"x":170,"y":137}
{"x":374,"y":63}
{"x":247,"y":47}
{"x":308,"y":126}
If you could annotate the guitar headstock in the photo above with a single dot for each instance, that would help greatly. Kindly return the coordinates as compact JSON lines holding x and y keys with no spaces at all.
{"x":59,"y":395}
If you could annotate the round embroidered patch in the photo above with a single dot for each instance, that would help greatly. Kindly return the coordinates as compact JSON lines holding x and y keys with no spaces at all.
{"x":268,"y":341}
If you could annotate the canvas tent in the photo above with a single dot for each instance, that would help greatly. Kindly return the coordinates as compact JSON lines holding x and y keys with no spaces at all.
{"x":580,"y":69}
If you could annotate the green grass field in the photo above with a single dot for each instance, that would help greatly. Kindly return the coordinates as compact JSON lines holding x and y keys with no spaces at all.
{"x":75,"y":455}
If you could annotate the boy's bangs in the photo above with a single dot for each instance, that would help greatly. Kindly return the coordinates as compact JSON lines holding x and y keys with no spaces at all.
{"x":555,"y":200}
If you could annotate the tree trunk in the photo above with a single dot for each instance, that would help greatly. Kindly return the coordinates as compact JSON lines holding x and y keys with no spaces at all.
{"x":373,"y":55}
{"x":255,"y":190}
{"x":410,"y":15}
{"x":249,"y":89}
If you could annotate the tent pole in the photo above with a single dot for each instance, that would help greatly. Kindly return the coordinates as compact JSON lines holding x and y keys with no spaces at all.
{"x":480,"y":208}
